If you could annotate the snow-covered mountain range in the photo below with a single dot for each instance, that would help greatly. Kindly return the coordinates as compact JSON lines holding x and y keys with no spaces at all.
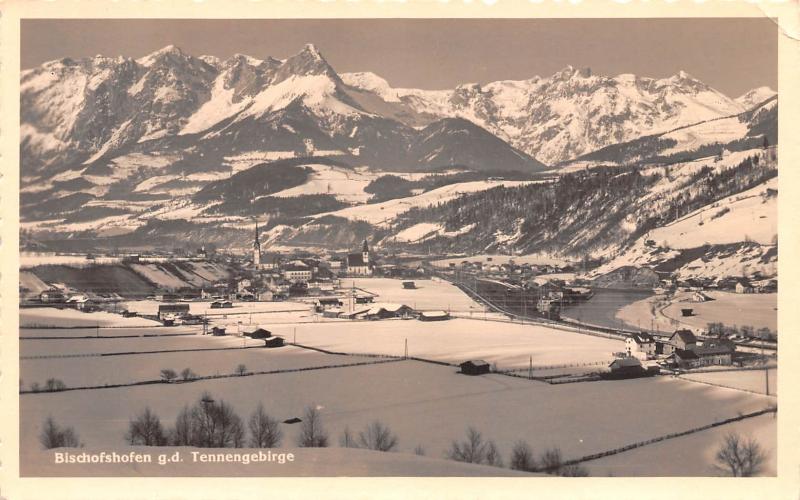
{"x":176,"y":144}
{"x":84,"y":110}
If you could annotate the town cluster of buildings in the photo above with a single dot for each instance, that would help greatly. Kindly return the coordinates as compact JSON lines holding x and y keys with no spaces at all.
{"x":682,"y":349}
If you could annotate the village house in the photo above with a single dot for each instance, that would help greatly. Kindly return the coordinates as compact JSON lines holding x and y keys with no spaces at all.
{"x":683,"y":340}
{"x":641,"y":345}
{"x":744,"y":286}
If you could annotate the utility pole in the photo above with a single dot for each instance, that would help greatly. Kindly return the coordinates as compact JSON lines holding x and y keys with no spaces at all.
{"x":530,"y":369}
{"x":406,"y":349}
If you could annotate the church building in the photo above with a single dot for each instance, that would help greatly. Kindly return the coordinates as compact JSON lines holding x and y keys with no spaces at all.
{"x":360,"y":264}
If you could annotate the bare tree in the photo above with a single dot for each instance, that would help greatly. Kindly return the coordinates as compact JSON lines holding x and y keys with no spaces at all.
{"x":419,"y":450}
{"x":181,"y":434}
{"x":740,"y":457}
{"x":551,"y":461}
{"x":146,"y":430}
{"x":377,"y":436}
{"x":53,"y":436}
{"x":264,"y":430}
{"x":493,"y":456}
{"x":475,"y":450}
{"x":54,"y":384}
{"x":241,"y":370}
{"x":522,"y":457}
{"x":208,"y":424}
{"x":168,"y":375}
{"x":188,"y":374}
{"x":347,"y":439}
{"x":312,"y":434}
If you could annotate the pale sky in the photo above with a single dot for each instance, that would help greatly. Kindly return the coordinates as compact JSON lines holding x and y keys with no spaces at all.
{"x":731,"y":55}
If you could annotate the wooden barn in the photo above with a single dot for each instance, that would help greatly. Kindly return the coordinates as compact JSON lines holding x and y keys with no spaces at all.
{"x":475,"y":367}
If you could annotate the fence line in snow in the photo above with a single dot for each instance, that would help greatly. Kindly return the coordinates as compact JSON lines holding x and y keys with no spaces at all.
{"x":665,"y":437}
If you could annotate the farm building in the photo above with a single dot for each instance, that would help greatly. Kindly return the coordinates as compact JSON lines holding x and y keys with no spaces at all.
{"x":273,"y":342}
{"x":434,"y":316}
{"x":383,"y":311}
{"x":626,"y":366}
{"x":474,"y":367}
{"x":218,"y":331}
{"x":328,"y":302}
{"x":52,"y":296}
{"x":172,"y":311}
{"x":364,"y":299}
{"x":333,"y":312}
{"x":258,"y":333}
{"x":80,"y":302}
{"x":219,"y":304}
{"x":409,"y":285}
{"x":700,"y":297}
{"x":683,"y":359}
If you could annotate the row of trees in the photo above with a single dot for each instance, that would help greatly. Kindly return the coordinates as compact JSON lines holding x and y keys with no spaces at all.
{"x":764,"y":333}
{"x":214,"y":424}
{"x":169,"y":375}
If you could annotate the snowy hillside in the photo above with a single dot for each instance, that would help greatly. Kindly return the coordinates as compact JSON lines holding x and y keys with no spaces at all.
{"x":748,"y":216}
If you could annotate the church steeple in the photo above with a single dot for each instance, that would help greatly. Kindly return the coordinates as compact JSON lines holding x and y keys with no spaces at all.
{"x":256,"y":249}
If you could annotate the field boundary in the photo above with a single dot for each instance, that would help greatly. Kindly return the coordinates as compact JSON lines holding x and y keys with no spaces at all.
{"x":111,"y":336}
{"x":728,"y":387}
{"x":133,"y":353}
{"x":672,"y":435}
{"x":214,"y":377}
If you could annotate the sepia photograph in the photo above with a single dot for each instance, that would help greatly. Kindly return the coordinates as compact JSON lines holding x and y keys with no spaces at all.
{"x":398,"y":247}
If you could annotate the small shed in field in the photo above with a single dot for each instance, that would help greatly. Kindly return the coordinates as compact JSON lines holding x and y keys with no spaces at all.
{"x":434,"y":316}
{"x":273,"y":342}
{"x":409,"y":285}
{"x":258,"y":334}
{"x":475,"y":367}
{"x":218,"y":331}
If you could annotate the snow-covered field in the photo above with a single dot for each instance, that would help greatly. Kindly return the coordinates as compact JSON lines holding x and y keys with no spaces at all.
{"x":423,"y":404}
{"x":379,"y":213}
{"x":745,"y":215}
{"x":33,"y":259}
{"x":457,"y":340}
{"x":691,"y":455}
{"x":429,"y":294}
{"x":754,"y":309}
{"x":50,"y":316}
{"x":93,"y":371}
{"x":84,"y":346}
{"x":749,"y":380}
{"x":757,"y":310}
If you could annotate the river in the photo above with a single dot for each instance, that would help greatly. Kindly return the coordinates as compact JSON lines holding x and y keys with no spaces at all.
{"x":602,"y":308}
